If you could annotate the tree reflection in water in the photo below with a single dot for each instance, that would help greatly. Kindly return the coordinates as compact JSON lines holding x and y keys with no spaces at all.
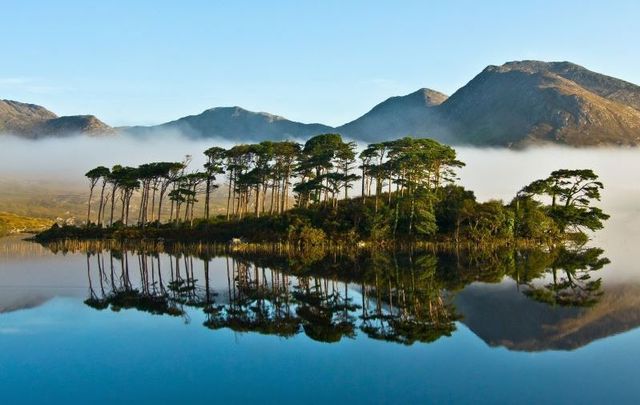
{"x":259,"y":301}
{"x":150,"y":294}
{"x":563,"y":276}
{"x":402,"y":297}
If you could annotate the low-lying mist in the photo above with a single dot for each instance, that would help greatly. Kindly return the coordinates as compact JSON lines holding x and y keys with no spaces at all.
{"x":70,"y":157}
{"x":491,"y":173}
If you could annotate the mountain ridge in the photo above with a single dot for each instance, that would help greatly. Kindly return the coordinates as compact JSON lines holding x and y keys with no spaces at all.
{"x":515,"y":104}
{"x":235,"y":123}
{"x":34,"y":121}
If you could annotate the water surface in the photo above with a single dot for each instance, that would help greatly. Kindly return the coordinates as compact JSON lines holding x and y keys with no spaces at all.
{"x":158,"y":327}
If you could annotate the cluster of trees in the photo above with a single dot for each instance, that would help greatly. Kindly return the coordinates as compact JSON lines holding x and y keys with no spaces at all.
{"x":151,"y":180}
{"x":260,"y":178}
{"x":407,"y":190}
{"x":548,"y":209}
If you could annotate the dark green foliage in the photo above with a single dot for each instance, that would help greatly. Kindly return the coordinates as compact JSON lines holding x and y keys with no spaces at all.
{"x":490,"y":220}
{"x":450,"y":208}
{"x":532,"y":221}
{"x":571,"y":192}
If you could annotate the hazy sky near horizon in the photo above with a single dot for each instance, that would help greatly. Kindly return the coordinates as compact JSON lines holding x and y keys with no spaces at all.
{"x":147,"y":62}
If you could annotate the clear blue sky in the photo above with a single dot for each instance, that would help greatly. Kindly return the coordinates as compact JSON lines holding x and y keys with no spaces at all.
{"x":146,"y":62}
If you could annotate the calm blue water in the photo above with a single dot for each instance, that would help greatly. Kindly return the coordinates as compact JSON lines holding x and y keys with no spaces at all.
{"x":56,"y":349}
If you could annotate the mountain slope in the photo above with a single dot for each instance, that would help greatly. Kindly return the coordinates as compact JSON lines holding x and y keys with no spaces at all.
{"x":87,"y":124}
{"x":527,"y":102}
{"x":236,"y":124}
{"x":413,"y":114}
{"x":605,"y":86}
{"x":34,"y":121}
{"x":21,"y":117}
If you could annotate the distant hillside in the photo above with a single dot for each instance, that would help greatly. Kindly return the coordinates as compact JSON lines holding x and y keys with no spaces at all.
{"x":413,"y":114}
{"x":21,"y":117}
{"x":236,"y":124}
{"x":527,"y":102}
{"x":12,"y":223}
{"x":34,"y":121}
{"x":87,"y":124}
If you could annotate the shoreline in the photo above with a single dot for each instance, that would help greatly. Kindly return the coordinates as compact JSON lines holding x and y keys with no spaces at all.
{"x":161,"y":244}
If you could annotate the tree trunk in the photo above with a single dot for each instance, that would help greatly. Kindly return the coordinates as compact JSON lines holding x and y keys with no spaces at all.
{"x":364,"y":182}
{"x":206,"y":198}
{"x":141,"y":204}
{"x":126,"y":216}
{"x":413,"y":210}
{"x":257,"y":207}
{"x":229,"y":198}
{"x":273,"y":195}
{"x":395,"y":222}
{"x":153,"y":200}
{"x":237,"y":204}
{"x":113,"y":204}
{"x":89,"y":205}
{"x":283,"y":195}
{"x":378,"y":191}
{"x":123,"y":199}
{"x":160,"y":197}
{"x":104,"y":184}
{"x":104,"y":209}
{"x":264,"y":195}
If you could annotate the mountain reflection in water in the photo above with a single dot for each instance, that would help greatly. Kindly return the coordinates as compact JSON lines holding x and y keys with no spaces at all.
{"x":521,"y":299}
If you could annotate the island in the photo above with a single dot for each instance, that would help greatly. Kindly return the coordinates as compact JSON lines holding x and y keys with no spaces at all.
{"x":301,"y":195}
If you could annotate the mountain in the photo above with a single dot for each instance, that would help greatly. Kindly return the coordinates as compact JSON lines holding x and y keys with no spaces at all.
{"x":512,"y":105}
{"x":20,"y":117}
{"x":34,"y":121}
{"x":413,"y":114}
{"x":532,"y":102}
{"x":235,"y":124}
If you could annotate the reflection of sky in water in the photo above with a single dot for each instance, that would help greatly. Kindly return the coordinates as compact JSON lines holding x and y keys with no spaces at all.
{"x":68,"y":351}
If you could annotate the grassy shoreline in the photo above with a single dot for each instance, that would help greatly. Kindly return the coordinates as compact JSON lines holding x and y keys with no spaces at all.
{"x":13,"y":224}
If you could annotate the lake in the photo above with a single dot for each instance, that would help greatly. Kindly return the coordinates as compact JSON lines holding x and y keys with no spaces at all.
{"x":91,"y":323}
{"x":148,"y":327}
